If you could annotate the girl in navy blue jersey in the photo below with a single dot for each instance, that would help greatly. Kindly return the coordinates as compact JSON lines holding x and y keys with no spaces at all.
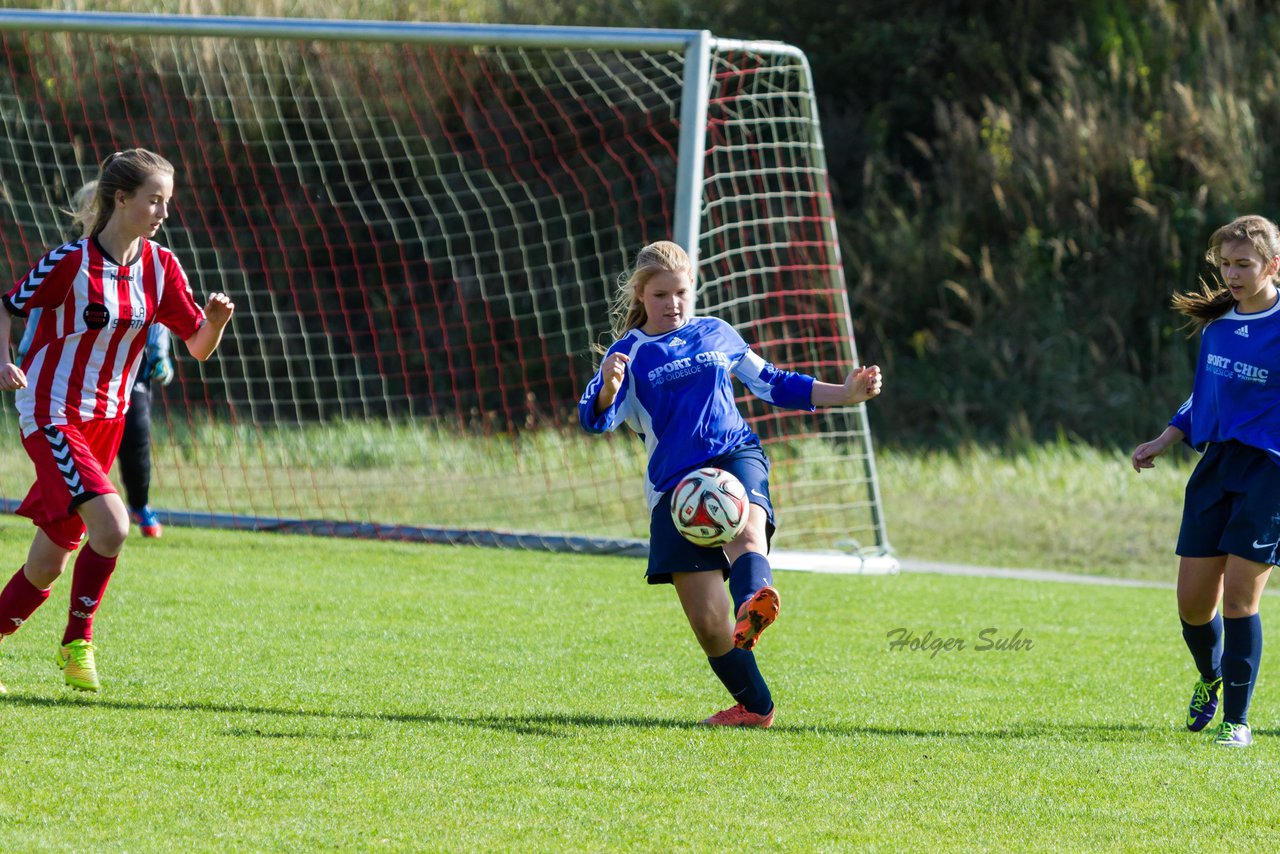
{"x":1230,"y":530}
{"x":669,"y":378}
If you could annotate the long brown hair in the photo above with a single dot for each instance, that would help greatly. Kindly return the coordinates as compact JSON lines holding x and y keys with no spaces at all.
{"x":122,"y":171}
{"x":626,"y":310}
{"x":1213,"y":299}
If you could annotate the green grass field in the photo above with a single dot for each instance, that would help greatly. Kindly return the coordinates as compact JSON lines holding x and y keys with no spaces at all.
{"x":1060,"y":506}
{"x":1066,"y":507}
{"x":264,"y":692}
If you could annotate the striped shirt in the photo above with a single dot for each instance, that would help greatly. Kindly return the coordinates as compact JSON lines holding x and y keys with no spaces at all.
{"x":90,"y":337}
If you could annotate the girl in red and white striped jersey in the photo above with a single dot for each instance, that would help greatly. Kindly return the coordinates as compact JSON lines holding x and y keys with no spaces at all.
{"x":99,"y":296}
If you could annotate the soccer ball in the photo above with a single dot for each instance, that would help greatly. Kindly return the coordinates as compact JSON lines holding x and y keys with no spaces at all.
{"x":709,"y":507}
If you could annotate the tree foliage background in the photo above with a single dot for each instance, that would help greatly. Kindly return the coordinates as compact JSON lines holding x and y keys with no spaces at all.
{"x":1020,"y":186}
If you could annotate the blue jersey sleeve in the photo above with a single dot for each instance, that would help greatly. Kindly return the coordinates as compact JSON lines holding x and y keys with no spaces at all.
{"x":1182,"y":419}
{"x":611,"y":417}
{"x":785,"y":389}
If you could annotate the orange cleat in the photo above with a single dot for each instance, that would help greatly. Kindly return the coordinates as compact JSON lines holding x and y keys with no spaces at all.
{"x":739,"y":716}
{"x":756,"y":615}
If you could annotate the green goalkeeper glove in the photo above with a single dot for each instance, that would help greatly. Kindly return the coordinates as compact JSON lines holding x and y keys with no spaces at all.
{"x":162,"y":370}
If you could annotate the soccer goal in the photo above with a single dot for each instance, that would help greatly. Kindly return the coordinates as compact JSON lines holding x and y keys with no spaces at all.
{"x":420,"y":225}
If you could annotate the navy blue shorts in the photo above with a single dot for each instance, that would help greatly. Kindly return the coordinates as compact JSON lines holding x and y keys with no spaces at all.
{"x":669,"y":552}
{"x":1232,"y":505}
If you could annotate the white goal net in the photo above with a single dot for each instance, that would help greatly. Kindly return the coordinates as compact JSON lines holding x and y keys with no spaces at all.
{"x":420,"y":226}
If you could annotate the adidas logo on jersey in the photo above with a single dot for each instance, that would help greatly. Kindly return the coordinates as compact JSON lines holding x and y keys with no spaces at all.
{"x":677,"y":341}
{"x":1243,"y":332}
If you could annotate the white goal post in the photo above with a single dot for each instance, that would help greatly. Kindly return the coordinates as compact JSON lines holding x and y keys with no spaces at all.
{"x":421,"y":225}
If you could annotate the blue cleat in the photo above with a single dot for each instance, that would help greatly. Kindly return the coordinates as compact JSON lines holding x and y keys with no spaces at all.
{"x":148,"y":524}
{"x":1204,"y":704}
{"x":1234,"y":735}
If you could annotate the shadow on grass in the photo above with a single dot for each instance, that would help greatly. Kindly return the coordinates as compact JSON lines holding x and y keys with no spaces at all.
{"x":563,"y":724}
{"x":544,"y":724}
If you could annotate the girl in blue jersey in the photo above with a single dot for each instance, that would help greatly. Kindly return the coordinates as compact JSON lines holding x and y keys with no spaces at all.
{"x":669,"y":378}
{"x":1231,"y":516}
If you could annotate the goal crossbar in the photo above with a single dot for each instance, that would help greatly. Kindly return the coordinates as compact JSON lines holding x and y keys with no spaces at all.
{"x":319,"y":29}
{"x":475,"y":190}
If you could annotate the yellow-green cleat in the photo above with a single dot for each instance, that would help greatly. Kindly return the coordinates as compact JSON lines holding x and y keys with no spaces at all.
{"x":78,"y":667}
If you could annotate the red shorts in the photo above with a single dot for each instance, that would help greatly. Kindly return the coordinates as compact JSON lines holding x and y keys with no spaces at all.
{"x":72,"y":462}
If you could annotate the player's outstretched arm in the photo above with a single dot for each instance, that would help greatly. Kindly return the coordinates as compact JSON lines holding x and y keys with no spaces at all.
{"x":862,"y":384}
{"x":1144,"y":456}
{"x":11,"y":376}
{"x":217,"y":313}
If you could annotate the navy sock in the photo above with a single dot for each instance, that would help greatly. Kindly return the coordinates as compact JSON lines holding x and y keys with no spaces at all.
{"x":1241,"y":652}
{"x":748,"y":574}
{"x":1205,"y":643}
{"x":738,"y":671}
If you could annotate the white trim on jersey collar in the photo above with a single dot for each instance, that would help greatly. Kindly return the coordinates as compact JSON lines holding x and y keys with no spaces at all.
{"x":1233,"y":314}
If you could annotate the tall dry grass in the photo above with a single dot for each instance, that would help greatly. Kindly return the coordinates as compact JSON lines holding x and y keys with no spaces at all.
{"x":1015,"y":271}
